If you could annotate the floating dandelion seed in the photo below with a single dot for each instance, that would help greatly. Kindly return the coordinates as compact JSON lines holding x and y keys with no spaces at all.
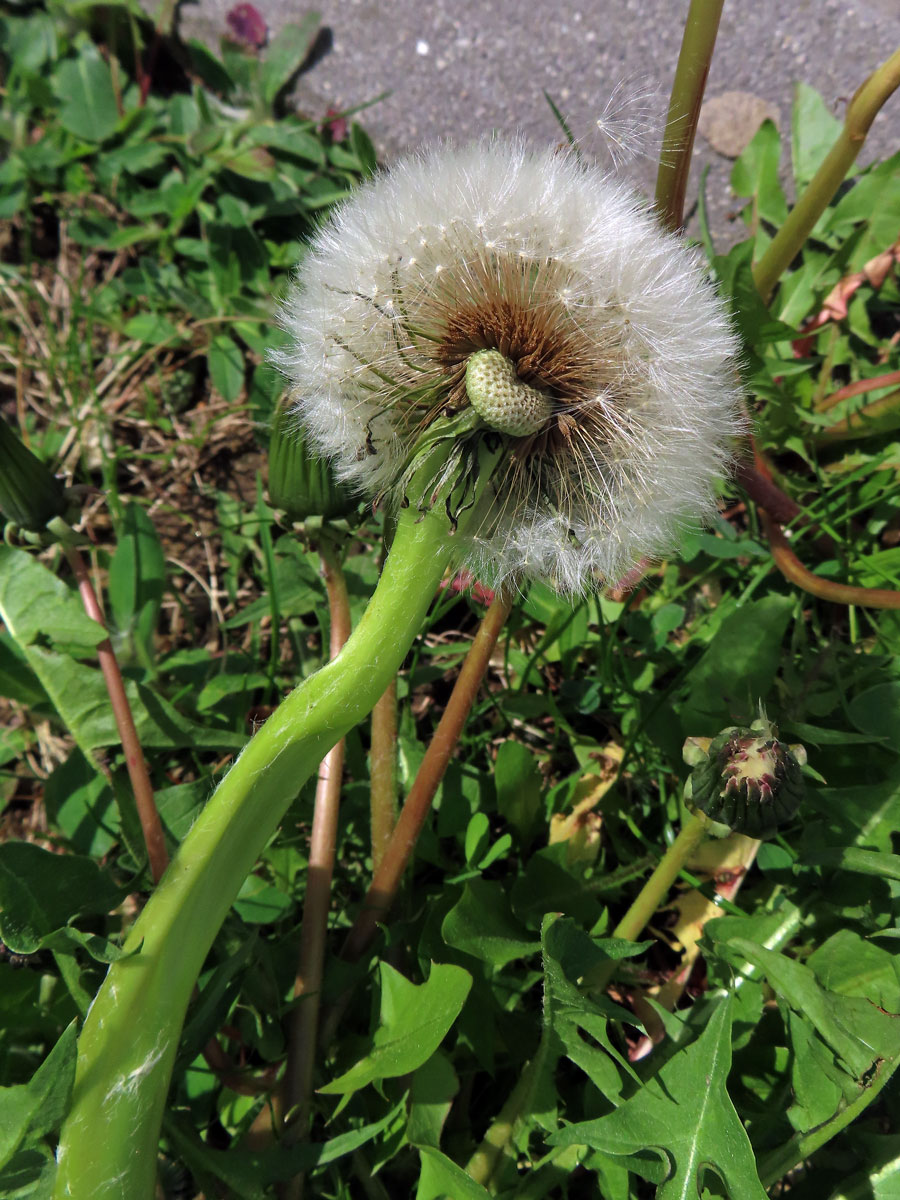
{"x":632,"y":120}
{"x":603,"y":325}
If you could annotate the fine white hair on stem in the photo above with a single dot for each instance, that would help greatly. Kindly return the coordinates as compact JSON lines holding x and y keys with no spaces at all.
{"x":566,"y":273}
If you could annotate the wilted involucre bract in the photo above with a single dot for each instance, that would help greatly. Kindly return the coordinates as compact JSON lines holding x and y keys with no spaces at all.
{"x":621,"y":349}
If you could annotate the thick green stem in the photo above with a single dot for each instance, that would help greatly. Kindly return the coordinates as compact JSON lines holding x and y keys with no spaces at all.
{"x":127,"y":1047}
{"x":861,"y":112}
{"x":652,"y":894}
{"x":697,"y":44}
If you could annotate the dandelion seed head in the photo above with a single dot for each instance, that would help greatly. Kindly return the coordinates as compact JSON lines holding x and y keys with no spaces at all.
{"x":603,"y":321}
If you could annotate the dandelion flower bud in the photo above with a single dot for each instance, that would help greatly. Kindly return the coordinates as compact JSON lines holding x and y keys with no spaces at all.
{"x":31,"y":498}
{"x":540,"y":298}
{"x":745,"y":780}
{"x":301,"y":483}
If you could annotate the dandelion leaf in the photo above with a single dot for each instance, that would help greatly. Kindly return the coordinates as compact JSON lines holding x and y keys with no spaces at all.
{"x":686,"y":1117}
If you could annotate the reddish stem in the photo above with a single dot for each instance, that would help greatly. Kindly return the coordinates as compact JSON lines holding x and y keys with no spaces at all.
{"x":386,"y":881}
{"x":857,"y":389}
{"x":762,"y":491}
{"x":840,"y":593}
{"x":383,"y":773}
{"x":298,"y":1077}
{"x":154,"y":839}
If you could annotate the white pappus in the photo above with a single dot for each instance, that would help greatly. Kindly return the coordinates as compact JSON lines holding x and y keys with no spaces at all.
{"x":616,"y":336}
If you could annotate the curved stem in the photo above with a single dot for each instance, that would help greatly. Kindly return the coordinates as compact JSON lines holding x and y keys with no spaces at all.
{"x":151,"y":826}
{"x":697,"y":45}
{"x":778,"y":504}
{"x":857,"y":389}
{"x":859,"y":424}
{"x":386,"y":881}
{"x":296,"y":1087}
{"x":128,"y":1045}
{"x":840,"y":593}
{"x":861,"y":112}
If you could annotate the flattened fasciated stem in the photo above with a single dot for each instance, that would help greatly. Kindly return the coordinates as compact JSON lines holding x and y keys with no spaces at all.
{"x":130,"y":1037}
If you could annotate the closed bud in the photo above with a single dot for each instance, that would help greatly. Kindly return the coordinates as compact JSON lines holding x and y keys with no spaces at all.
{"x":30,"y":496}
{"x":745,"y":780}
{"x":301,"y":483}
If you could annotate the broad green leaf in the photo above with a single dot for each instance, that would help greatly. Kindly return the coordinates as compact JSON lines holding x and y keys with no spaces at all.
{"x":286,"y":54}
{"x":862,"y":815}
{"x":578,"y":1021}
{"x":226,"y":367}
{"x":852,"y":966}
{"x":431,"y":1094}
{"x":80,"y":697}
{"x":753,"y":319}
{"x":151,"y":328}
{"x":363,"y":149}
{"x":550,"y":883}
{"x":865,"y":862}
{"x":84,"y":85}
{"x":415,"y":1018}
{"x":738,"y":667}
{"x":813,"y":132}
{"x":880,"y":1178}
{"x":30,"y":1175}
{"x":686,"y":1116}
{"x":17,"y":1107}
{"x":856,"y":1030}
{"x":249,"y":1173}
{"x":41,"y":892}
{"x":874,"y":199}
{"x":441,"y":1177}
{"x":481,"y":923}
{"x":259,"y":903}
{"x":137,"y":577}
{"x":35,"y":604}
{"x":519,"y":785}
{"x":52,"y":1083}
{"x":17,"y":680}
{"x":221,"y":687}
{"x":36,"y":1107}
{"x":81,"y":805}
{"x":755,"y":174}
{"x":877,"y":711}
{"x":816,"y":1080}
{"x":299,"y":593}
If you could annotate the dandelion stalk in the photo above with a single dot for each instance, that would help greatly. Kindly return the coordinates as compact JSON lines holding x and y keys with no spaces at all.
{"x":130,"y":1037}
{"x":867,"y":101}
{"x":383,"y":773}
{"x":298,"y":1076}
{"x":386,"y":881}
{"x":151,"y":826}
{"x":793,"y":569}
{"x":697,"y":45}
{"x":863,"y":422}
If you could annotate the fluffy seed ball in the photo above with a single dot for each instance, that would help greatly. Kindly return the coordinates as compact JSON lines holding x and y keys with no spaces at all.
{"x":608,"y":320}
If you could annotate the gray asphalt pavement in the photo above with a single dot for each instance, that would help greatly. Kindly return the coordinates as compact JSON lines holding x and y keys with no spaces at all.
{"x":455,"y":68}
